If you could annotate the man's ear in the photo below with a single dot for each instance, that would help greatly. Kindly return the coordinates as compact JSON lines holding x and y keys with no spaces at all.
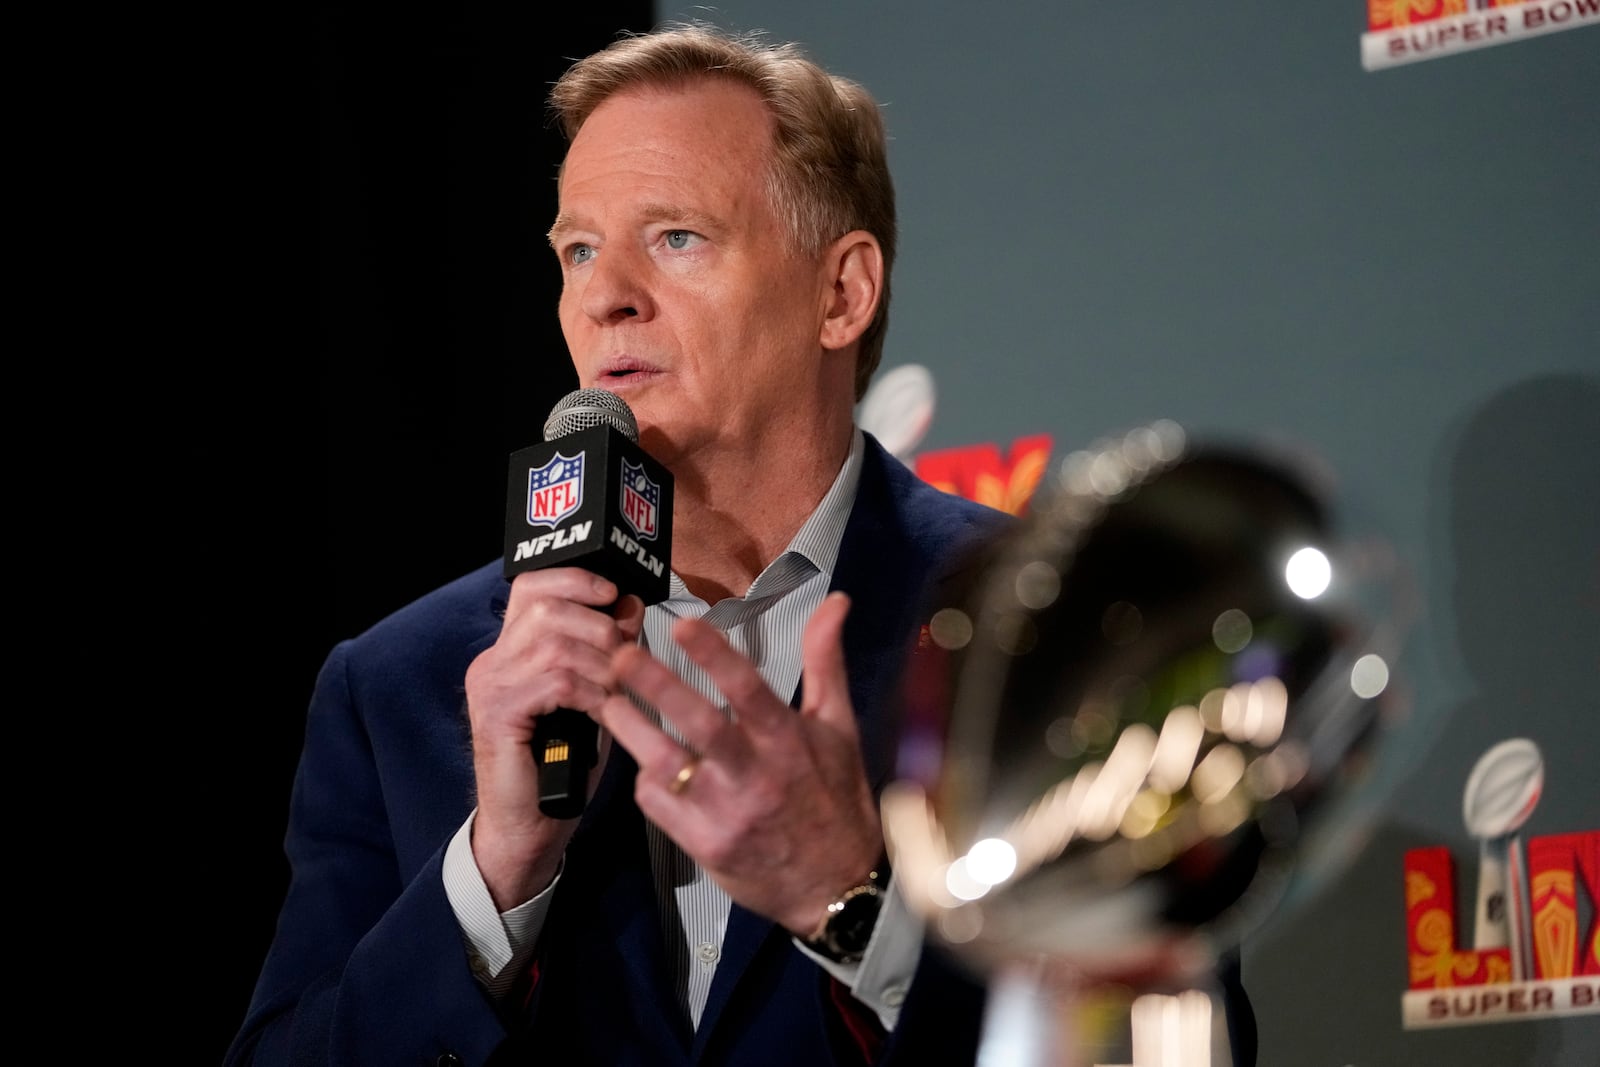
{"x":853,"y":269}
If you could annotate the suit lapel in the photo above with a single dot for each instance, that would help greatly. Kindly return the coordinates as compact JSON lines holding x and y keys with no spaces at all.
{"x":882,"y":570}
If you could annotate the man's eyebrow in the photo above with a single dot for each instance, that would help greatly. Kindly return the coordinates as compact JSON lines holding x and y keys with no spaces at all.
{"x":651,"y":212}
{"x":688,"y":216}
{"x":564,"y":224}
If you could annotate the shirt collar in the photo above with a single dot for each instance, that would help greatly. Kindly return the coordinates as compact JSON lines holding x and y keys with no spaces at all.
{"x":818,"y":539}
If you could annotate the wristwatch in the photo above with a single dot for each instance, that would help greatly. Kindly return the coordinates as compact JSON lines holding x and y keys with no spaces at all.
{"x":847,"y":926}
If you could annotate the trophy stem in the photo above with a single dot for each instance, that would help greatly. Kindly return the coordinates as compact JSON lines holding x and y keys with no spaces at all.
{"x":1038,"y":1016}
{"x":1519,"y":913}
{"x":1032,"y":1019}
{"x":1489,"y":928}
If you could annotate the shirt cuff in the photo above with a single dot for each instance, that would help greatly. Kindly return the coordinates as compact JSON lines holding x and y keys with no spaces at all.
{"x":883,"y":976}
{"x":499,"y":944}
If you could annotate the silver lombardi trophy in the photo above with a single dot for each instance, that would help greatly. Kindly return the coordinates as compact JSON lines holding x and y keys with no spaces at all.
{"x":1502,"y":791}
{"x":1123,"y":721}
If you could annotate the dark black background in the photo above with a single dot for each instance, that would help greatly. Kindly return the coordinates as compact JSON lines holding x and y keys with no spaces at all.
{"x":365,"y":461}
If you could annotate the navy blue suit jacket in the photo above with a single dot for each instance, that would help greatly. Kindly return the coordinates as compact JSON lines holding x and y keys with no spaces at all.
{"x":368,"y":966}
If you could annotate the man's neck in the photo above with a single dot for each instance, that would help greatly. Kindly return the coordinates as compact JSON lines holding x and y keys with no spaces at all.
{"x":734,"y":517}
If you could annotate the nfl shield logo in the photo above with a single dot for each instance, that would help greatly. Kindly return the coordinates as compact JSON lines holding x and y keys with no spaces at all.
{"x":555,"y":490}
{"x":641,"y":499}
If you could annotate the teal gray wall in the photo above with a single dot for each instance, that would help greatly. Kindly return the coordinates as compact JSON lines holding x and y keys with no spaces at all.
{"x":1118,"y":212}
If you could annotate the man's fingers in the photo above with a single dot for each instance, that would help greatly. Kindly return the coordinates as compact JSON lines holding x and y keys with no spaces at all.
{"x":562,"y":583}
{"x":825,"y":683}
{"x":756,"y":706}
{"x":699,"y":722}
{"x":536,"y":619}
{"x":629,"y":617}
{"x":648,"y":746}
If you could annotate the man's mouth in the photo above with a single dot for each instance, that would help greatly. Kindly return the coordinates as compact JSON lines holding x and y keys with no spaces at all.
{"x":626,"y":369}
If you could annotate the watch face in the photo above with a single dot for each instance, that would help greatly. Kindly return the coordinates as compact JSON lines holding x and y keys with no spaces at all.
{"x":851,"y":927}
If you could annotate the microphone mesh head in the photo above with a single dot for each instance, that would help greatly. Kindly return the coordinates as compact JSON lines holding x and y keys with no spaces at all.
{"x":583,"y":408}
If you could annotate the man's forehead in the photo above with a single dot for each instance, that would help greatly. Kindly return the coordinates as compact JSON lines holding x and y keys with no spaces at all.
{"x":683,"y":149}
{"x":697,"y":104}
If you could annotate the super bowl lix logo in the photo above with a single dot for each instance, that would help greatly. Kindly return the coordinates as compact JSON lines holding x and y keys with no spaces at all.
{"x":555,"y":490}
{"x":1531,"y":955}
{"x":641,"y":501}
{"x":1404,"y":31}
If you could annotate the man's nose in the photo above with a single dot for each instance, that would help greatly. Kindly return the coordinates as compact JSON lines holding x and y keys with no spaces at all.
{"x":615,"y":288}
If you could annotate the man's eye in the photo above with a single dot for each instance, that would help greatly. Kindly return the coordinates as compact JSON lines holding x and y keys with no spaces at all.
{"x":580,"y":254}
{"x":678,"y":240}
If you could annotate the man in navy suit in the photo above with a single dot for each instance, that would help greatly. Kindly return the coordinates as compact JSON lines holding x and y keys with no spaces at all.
{"x":726,"y":234}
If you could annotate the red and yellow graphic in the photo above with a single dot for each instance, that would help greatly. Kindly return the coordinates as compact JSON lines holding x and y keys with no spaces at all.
{"x":978,"y":472}
{"x":1559,"y":865}
{"x":1387,"y":14}
{"x":1436,"y":963}
{"x":1555,"y":865}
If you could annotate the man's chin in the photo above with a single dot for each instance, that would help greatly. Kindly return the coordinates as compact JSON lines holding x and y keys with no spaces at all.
{"x":637,"y":394}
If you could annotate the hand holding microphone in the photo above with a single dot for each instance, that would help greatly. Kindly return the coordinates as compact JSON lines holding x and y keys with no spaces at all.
{"x":587,"y":497}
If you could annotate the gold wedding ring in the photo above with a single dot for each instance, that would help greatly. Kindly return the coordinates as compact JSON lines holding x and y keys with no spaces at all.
{"x":680,"y":781}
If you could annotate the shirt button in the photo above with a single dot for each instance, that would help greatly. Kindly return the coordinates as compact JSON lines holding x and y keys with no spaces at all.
{"x":707,"y":952}
{"x":894,"y":996}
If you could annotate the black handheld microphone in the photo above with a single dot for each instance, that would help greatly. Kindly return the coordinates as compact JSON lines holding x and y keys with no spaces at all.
{"x":587,"y":497}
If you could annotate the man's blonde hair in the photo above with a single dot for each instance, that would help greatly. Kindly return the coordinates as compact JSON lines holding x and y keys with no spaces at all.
{"x":829,"y":172}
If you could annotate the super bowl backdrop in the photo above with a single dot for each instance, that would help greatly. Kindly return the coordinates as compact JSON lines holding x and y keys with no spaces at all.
{"x":1217,"y":215}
